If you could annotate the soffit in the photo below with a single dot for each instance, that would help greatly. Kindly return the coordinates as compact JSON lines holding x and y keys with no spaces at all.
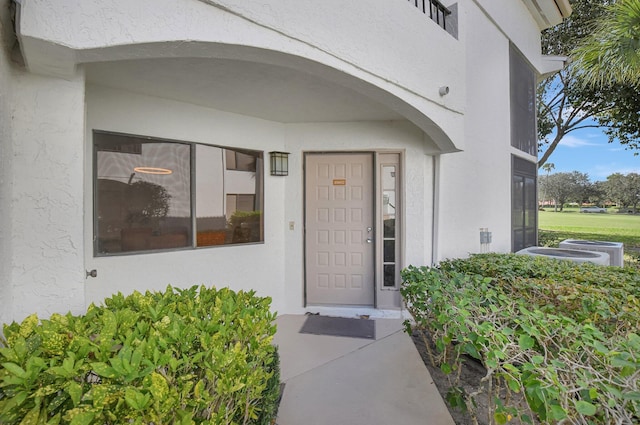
{"x":248,"y":88}
{"x":548,"y":13}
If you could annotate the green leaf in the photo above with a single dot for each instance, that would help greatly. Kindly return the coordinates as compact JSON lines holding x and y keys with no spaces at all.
{"x":632,"y":395}
{"x":500,"y":418}
{"x":445,"y":368}
{"x":526,"y":342}
{"x":55,"y":420}
{"x":75,"y":392}
{"x":104,"y":370}
{"x":585,"y":408}
{"x":14,"y":369}
{"x":537,"y":359}
{"x":83,"y":418}
{"x":513,"y":384}
{"x":557,"y":412}
{"x":31,"y":418}
{"x":9,"y":354}
{"x":159,"y":387}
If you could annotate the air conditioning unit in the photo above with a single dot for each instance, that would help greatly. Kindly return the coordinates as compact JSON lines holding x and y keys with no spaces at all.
{"x":614,"y":249}
{"x":577,"y":256}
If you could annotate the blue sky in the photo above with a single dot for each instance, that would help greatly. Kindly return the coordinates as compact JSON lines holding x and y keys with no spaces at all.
{"x":588,"y":151}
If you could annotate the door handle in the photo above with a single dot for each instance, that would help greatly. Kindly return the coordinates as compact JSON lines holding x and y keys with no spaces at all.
{"x":369,"y":240}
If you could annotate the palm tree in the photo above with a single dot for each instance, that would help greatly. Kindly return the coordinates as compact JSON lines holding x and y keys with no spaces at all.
{"x":548,"y":166}
{"x":611,"y":55}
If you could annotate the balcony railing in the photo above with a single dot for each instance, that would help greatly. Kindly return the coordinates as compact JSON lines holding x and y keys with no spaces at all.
{"x":436,"y":10}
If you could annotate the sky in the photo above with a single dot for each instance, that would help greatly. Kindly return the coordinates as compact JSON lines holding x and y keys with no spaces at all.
{"x":588,"y":151}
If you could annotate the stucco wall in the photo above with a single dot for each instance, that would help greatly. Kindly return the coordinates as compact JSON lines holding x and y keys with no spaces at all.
{"x":259,"y":266}
{"x":46,"y":174}
{"x":514,"y":20}
{"x":41,"y":131}
{"x":46,"y":204}
{"x":276,"y":267}
{"x":475,"y":185}
{"x":6,"y":41}
{"x":389,"y":52}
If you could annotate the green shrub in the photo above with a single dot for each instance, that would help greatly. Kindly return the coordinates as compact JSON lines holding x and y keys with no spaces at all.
{"x":562,"y":335}
{"x":198,"y":355}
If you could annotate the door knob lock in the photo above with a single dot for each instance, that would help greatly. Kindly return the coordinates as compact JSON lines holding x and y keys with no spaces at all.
{"x":369,"y":240}
{"x":369,"y":229}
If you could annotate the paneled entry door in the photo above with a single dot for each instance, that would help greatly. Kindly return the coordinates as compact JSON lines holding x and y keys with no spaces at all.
{"x":339,"y":238}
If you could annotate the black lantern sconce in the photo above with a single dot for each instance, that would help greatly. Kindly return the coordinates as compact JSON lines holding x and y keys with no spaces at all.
{"x":279,"y":163}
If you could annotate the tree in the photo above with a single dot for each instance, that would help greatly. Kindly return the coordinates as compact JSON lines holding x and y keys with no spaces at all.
{"x":611,"y":54}
{"x":597,"y":194}
{"x":566,"y":103}
{"x":563,"y":187}
{"x":624,"y":189}
{"x":547,"y":167}
{"x":582,"y":187}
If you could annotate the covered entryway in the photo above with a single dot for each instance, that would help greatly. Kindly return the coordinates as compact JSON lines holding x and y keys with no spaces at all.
{"x":339,"y":222}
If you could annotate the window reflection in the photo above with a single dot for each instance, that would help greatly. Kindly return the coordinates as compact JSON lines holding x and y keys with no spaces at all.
{"x":228,"y":196}
{"x":145,"y":189}
{"x":389,"y":224}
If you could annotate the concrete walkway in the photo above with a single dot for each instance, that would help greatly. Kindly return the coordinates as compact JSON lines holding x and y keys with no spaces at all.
{"x":353,"y":381}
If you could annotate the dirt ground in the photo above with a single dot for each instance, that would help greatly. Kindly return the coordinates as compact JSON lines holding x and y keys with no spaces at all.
{"x":470,"y":376}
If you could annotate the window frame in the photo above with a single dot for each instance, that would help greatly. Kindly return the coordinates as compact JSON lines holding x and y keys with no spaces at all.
{"x":520,"y":73}
{"x":192,"y":242}
{"x":524,"y":169}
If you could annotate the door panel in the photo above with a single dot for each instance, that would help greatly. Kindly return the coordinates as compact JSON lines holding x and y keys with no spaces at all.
{"x":339,"y":241}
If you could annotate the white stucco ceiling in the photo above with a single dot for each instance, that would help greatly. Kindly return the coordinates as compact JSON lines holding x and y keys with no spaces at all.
{"x":249,"y":88}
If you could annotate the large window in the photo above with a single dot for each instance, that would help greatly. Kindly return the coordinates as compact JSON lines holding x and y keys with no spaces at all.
{"x":524,"y":211}
{"x":153,"y":194}
{"x":523,"y":103}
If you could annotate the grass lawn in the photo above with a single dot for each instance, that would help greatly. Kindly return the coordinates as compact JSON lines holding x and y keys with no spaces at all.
{"x":609,"y":226}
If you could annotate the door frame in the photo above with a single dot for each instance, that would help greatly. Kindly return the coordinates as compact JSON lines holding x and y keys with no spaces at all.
{"x":390,"y":297}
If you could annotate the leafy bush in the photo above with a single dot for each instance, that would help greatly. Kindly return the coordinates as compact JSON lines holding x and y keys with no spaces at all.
{"x":198,"y":355}
{"x":564,"y":336}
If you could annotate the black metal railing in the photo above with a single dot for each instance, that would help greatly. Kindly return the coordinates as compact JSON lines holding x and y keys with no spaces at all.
{"x":436,"y":10}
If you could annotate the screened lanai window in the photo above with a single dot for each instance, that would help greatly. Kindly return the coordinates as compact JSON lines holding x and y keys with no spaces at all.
{"x":524,"y":211}
{"x":523,"y":103}
{"x":153,"y":194}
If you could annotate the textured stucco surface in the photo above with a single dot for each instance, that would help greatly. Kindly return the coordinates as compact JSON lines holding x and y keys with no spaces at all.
{"x":274,"y":268}
{"x":390,"y":54}
{"x":6,"y":41}
{"x":47,"y":272}
{"x":475,"y":185}
{"x":259,"y":266}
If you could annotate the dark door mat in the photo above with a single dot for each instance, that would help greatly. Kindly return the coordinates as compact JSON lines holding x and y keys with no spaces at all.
{"x":339,"y":326}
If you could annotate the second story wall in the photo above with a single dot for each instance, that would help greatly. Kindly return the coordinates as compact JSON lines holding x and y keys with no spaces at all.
{"x":387,"y":50}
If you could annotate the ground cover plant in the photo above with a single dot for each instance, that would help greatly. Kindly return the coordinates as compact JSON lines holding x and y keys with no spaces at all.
{"x":198,"y":355}
{"x":561,"y":337}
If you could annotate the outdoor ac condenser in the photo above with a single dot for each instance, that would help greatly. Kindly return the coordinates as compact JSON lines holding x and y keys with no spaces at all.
{"x":614,"y":249}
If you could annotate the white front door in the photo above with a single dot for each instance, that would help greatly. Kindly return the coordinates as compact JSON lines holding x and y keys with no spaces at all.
{"x":339,"y":238}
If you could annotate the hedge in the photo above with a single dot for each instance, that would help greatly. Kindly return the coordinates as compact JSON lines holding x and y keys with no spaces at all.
{"x":563,"y":336}
{"x":199,"y":355}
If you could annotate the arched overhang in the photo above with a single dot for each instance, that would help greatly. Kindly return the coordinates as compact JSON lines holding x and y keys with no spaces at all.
{"x":442,"y":125}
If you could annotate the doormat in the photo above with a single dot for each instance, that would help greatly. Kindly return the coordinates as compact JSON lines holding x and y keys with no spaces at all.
{"x":339,"y":326}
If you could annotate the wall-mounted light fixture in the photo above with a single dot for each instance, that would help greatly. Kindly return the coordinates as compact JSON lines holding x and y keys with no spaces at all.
{"x":279,"y":163}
